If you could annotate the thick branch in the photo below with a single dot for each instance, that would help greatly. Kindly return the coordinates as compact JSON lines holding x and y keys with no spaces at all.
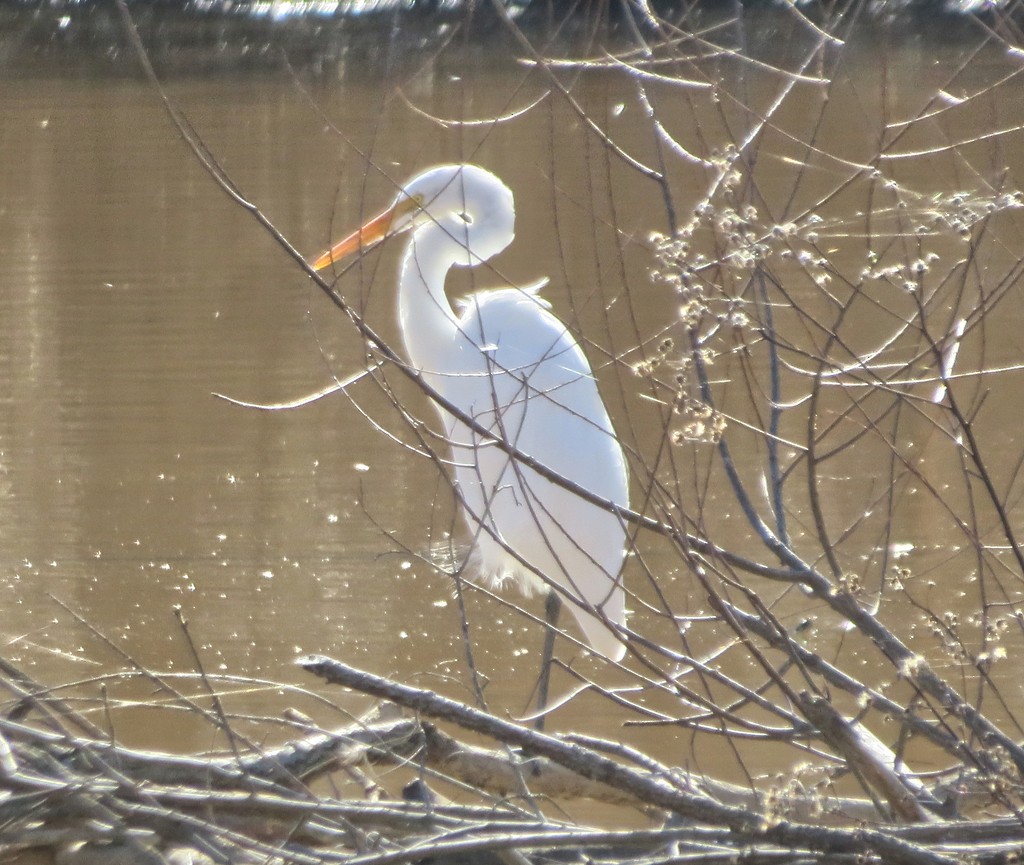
{"x":647,"y":788}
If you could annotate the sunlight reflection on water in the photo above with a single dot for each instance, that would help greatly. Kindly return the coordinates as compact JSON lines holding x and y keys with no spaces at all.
{"x":133,"y":290}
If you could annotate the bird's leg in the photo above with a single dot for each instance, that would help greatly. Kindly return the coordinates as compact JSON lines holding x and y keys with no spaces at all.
{"x":552,"y":607}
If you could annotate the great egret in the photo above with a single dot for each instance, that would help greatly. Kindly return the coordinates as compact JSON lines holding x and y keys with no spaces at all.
{"x":506,"y":361}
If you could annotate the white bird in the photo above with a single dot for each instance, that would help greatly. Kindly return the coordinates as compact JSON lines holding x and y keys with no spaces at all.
{"x":507,"y":362}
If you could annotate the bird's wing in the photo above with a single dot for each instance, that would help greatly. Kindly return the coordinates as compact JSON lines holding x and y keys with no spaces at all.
{"x":531,"y":291}
{"x":533,"y":385}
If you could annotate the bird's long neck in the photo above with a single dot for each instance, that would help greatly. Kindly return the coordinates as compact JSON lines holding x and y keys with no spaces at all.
{"x":429,"y":325}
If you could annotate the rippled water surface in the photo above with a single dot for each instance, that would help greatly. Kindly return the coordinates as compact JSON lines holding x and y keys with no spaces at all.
{"x":132,"y":289}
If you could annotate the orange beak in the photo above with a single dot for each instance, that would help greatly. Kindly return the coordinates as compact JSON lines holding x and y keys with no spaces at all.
{"x":375,"y":230}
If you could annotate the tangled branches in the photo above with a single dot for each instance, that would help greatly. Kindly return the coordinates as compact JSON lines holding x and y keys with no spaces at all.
{"x":811,"y":378}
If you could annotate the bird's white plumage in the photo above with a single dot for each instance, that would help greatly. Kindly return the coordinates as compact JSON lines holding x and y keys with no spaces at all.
{"x":508,"y":362}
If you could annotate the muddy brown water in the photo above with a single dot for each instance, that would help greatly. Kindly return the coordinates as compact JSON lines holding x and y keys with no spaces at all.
{"x":132,"y":289}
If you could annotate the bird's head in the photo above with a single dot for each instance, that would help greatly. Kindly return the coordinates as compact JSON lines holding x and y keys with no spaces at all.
{"x":469,"y":208}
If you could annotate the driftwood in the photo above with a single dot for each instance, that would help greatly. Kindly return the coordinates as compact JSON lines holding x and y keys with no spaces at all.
{"x":92,"y":800}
